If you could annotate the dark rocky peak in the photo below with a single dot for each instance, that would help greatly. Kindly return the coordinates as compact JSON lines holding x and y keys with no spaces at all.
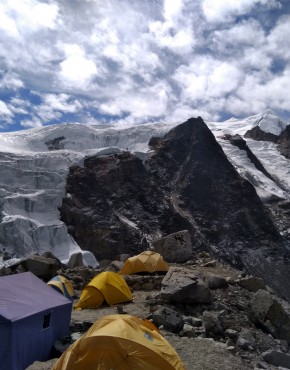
{"x":257,"y":134}
{"x":239,"y":142}
{"x":193,"y":168}
{"x":114,"y":207}
{"x":284,"y":142}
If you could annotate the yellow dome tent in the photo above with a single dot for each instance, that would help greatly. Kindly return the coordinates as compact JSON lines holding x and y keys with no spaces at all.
{"x":147,"y":261}
{"x":63,"y":286}
{"x":120,"y":342}
{"x":107,"y":286}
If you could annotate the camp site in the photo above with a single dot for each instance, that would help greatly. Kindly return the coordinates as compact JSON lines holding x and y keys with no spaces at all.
{"x":135,"y":312}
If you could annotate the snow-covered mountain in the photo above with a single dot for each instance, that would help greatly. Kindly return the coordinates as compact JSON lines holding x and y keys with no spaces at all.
{"x":34,"y":166}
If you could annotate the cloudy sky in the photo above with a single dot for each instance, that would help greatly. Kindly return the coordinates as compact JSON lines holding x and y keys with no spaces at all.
{"x":136,"y":61}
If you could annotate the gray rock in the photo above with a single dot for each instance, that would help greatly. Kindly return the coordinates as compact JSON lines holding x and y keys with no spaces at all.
{"x":217,"y":282}
{"x":40,"y":266}
{"x":265,"y":308}
{"x":175,"y":247}
{"x":231,"y":333}
{"x":253,"y":284}
{"x":188,"y":331}
{"x":180,"y":285}
{"x":247,"y":335}
{"x":277,"y":358}
{"x":196,"y":322}
{"x":170,"y":320}
{"x":212,"y":323}
{"x":75,"y":260}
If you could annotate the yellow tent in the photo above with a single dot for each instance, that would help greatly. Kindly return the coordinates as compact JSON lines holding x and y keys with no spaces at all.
{"x":147,"y":261}
{"x":106,"y":286}
{"x":120,"y":342}
{"x":63,"y":286}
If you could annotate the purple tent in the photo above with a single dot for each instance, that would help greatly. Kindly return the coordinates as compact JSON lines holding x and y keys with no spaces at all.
{"x":32,"y":317}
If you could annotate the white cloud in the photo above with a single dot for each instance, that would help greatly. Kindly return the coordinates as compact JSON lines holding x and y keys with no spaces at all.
{"x":18,"y":17}
{"x":31,"y":123}
{"x":77,"y":69}
{"x":172,"y":9}
{"x":143,"y":60}
{"x":11,"y":81}
{"x":278,"y":42}
{"x":6,"y":115}
{"x":4,"y":110}
{"x":206,"y":78}
{"x":227,"y":10}
{"x":148,"y":102}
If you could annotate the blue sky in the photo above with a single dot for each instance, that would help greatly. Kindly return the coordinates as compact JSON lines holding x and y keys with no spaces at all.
{"x":131,"y":62}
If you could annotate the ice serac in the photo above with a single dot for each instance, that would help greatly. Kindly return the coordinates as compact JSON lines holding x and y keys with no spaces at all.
{"x":224,"y":210}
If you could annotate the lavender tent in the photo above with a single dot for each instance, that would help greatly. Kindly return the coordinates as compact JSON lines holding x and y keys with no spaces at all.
{"x":32,"y":317}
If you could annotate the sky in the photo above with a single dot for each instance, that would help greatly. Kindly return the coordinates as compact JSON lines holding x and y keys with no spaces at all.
{"x":136,"y":61}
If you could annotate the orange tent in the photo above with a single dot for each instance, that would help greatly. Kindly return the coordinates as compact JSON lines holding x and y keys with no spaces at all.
{"x":147,"y":261}
{"x":120,"y":342}
{"x":106,"y":286}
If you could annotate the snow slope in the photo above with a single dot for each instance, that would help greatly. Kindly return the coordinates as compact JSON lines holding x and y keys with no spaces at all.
{"x":33,"y":178}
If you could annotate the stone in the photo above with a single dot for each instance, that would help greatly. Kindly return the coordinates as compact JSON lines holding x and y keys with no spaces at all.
{"x":40,"y":266}
{"x":175,"y":247}
{"x":188,"y":331}
{"x":196,"y":322}
{"x":168,"y":318}
{"x":148,"y":286}
{"x":266,"y":308}
{"x":253,"y":284}
{"x":231,"y":333}
{"x":212,"y":323}
{"x":217,"y":282}
{"x":181,"y":285}
{"x":277,"y":358}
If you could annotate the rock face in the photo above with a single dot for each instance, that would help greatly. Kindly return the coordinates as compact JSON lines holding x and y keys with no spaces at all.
{"x":119,"y":204}
{"x":175,"y":247}
{"x":257,"y":134}
{"x":114,"y":207}
{"x":223,"y":209}
{"x":284,"y":142}
{"x":183,"y":287}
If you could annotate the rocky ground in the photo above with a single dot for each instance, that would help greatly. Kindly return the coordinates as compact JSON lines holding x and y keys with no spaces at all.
{"x":231,"y":332}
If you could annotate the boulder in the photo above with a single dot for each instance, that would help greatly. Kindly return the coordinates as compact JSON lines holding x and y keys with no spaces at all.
{"x":212,"y":323}
{"x":75,"y":260}
{"x":40,"y":266}
{"x":217,"y":282}
{"x":252,"y":283}
{"x":170,"y":319}
{"x":182,"y":286}
{"x":175,"y":247}
{"x":266,"y":308}
{"x":277,"y":358}
{"x":246,"y":340}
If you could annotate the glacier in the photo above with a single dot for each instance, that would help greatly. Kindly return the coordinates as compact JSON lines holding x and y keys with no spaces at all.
{"x":34,"y":165}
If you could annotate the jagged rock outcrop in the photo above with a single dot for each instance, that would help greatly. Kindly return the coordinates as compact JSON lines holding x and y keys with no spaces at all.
{"x":257,"y":134}
{"x":283,"y":140}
